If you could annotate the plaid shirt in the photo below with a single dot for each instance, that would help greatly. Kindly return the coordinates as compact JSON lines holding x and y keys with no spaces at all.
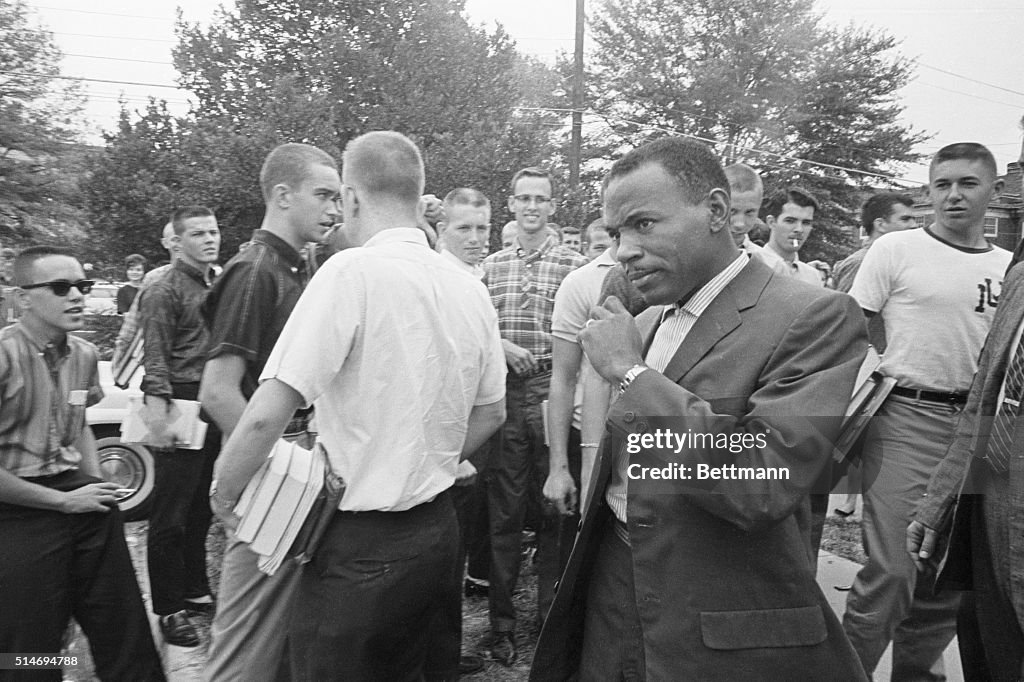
{"x":522,"y":288}
{"x":44,"y":390}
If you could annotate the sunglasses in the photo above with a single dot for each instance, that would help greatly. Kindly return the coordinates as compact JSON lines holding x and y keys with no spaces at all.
{"x":61,"y":287}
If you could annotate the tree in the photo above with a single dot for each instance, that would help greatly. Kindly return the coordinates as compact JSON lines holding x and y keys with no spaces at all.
{"x":764,"y":82}
{"x":37,"y":117}
{"x":324,"y":72}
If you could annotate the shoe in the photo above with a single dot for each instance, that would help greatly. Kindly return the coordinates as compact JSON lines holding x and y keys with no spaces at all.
{"x":502,"y":647}
{"x":842,"y":513}
{"x":178,"y":630}
{"x":475,"y":589}
{"x":196,"y":608}
{"x":469,"y":665}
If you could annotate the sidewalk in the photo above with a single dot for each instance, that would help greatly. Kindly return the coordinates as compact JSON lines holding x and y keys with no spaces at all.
{"x":833,"y":572}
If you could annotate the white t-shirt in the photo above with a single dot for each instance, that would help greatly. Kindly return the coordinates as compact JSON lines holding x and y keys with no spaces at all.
{"x":937,"y":301}
{"x":394,"y":346}
{"x":578,"y":293}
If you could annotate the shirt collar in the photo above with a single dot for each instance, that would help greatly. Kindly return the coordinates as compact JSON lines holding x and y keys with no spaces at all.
{"x":699,"y":302}
{"x":192,"y":272}
{"x":548,"y":244}
{"x":283,"y":248}
{"x":605,"y":259}
{"x":770,"y":247}
{"x":461,"y":264}
{"x":61,"y":347}
{"x":395,"y":235}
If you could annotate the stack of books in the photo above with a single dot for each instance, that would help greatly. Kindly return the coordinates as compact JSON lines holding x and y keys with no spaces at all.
{"x":278,"y":500}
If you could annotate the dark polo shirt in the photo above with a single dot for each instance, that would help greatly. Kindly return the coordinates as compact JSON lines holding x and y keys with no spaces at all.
{"x":250,"y":302}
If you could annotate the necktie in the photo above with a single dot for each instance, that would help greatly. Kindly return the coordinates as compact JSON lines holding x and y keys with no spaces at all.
{"x":1000,"y":445}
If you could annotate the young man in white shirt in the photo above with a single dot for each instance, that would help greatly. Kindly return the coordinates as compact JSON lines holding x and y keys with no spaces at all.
{"x":401,"y":355}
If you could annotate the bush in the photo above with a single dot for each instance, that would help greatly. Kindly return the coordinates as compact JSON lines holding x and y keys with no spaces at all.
{"x":102,"y":331}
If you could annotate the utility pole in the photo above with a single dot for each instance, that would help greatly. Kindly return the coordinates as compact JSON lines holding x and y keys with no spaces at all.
{"x":577,"y":102}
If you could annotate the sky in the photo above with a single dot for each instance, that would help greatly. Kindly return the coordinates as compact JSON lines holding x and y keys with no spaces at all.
{"x":969,"y":82}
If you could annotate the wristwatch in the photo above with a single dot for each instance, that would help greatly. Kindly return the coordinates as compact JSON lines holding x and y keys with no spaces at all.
{"x":631,"y":374}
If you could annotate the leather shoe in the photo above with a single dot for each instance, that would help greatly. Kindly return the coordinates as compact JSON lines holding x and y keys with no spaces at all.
{"x":178,"y":630}
{"x":196,"y":608}
{"x":475,"y":589}
{"x":469,"y":665}
{"x":502,"y":647}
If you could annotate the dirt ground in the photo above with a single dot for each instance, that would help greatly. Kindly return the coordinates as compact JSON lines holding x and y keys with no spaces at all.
{"x":841,"y":537}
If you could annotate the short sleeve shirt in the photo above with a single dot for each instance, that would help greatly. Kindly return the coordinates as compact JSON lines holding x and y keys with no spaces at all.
{"x":937,"y":300}
{"x":394,"y":346}
{"x":248,"y":305}
{"x":44,"y":390}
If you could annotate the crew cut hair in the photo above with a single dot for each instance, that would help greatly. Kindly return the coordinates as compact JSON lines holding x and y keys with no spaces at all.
{"x":743,"y":178}
{"x":970,"y":151}
{"x":184,"y":213}
{"x":465,"y":196}
{"x":386,"y":164}
{"x":880,"y":206}
{"x":289,"y":164}
{"x":694,"y":166}
{"x":26,"y":259}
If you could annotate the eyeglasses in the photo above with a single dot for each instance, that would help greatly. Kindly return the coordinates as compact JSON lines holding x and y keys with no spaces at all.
{"x":532,"y":199}
{"x":61,"y":287}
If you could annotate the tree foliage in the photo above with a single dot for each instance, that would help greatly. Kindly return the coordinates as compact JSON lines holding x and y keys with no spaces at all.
{"x":323,"y":72}
{"x":37,"y":123}
{"x":764,"y":82}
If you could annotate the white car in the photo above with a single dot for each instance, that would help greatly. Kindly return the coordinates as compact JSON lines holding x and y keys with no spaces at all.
{"x":102,"y":300}
{"x":129,"y":465}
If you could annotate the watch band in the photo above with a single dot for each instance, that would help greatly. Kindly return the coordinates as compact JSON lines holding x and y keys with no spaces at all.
{"x":631,"y":374}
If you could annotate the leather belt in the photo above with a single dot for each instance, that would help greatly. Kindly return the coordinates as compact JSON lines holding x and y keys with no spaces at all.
{"x":931,"y":396}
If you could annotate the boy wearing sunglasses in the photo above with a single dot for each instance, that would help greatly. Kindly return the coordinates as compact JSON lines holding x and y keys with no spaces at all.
{"x":64,"y":548}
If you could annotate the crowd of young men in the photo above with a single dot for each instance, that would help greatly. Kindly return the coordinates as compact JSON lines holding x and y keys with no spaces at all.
{"x":425,"y":375}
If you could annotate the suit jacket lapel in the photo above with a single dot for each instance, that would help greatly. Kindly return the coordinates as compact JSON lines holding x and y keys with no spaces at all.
{"x":719,"y":318}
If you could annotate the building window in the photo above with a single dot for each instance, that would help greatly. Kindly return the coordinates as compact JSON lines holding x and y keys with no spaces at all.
{"x":991,"y":227}
{"x":924,"y":220}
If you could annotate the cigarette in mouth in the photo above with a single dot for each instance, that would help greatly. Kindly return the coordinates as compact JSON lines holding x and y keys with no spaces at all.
{"x":795,"y":242}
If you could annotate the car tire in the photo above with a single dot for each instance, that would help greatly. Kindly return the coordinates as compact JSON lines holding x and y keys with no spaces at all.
{"x":129,"y":465}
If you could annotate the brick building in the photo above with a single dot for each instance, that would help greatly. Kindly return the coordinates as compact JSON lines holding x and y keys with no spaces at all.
{"x":1005,"y":214}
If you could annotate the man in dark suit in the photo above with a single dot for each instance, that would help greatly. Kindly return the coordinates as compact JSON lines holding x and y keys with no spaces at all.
{"x":979,"y":481}
{"x":691,"y":563}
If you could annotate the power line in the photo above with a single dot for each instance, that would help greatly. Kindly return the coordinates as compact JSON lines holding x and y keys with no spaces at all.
{"x":106,"y":14}
{"x":92,"y":35}
{"x":790,"y":159}
{"x":90,"y":80}
{"x":973,"y":80}
{"x":1018,"y":107}
{"x":117,"y":59}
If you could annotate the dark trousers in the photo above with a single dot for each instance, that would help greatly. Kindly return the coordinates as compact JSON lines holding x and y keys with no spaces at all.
{"x":55,"y":566}
{"x":613,"y":638}
{"x":180,"y":520}
{"x":989,"y":630}
{"x":515,"y":494}
{"x":474,"y":525}
{"x":372,"y":600}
